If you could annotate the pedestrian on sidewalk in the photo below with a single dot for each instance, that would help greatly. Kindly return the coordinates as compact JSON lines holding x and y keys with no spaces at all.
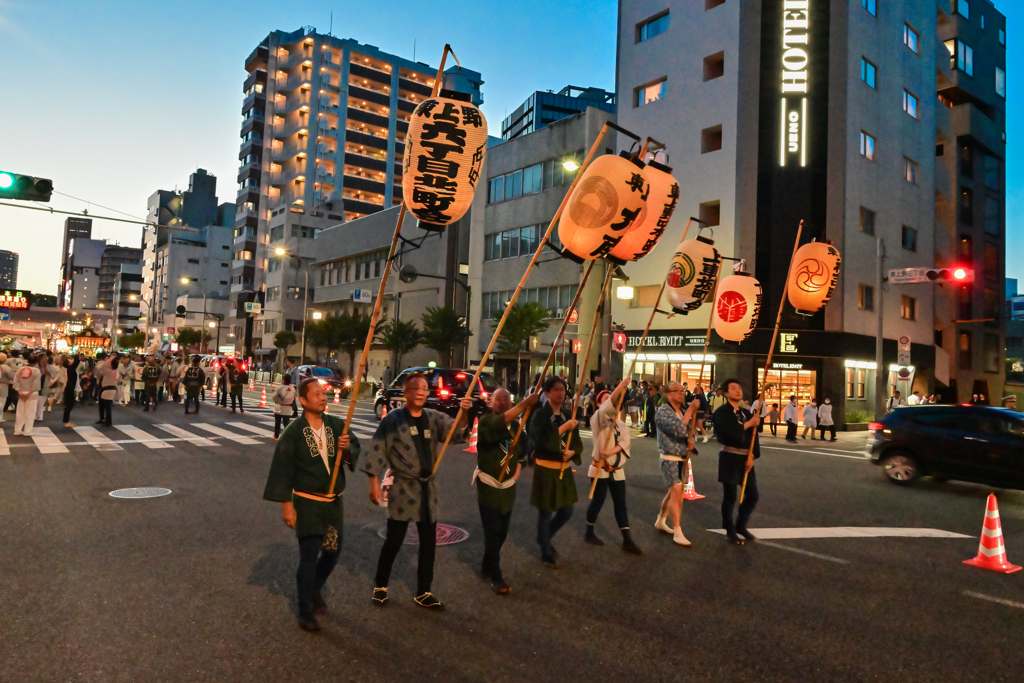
{"x":675,"y":445}
{"x":650,"y":408}
{"x":223,"y":384}
{"x":6,"y":378}
{"x":610,"y":453}
{"x":238,"y":378}
{"x":284,"y":397}
{"x":703,"y":411}
{"x":71,"y":388}
{"x":408,"y":442}
{"x":791,"y":416}
{"x":26,"y":383}
{"x":810,"y":418}
{"x":124,"y":379}
{"x":150,"y":379}
{"x":825,"y":420}
{"x":496,"y":498}
{"x":138,"y":385}
{"x":773,"y":419}
{"x":108,"y":373}
{"x":735,"y":427}
{"x":173,"y":377}
{"x":46,"y":377}
{"x":760,"y":408}
{"x":300,"y":479}
{"x":895,"y":402}
{"x":194,"y":380}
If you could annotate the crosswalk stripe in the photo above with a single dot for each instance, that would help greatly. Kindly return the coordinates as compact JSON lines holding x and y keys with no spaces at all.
{"x":250,"y":428}
{"x":187,"y":436}
{"x":47,"y":441}
{"x":95,"y":438}
{"x":142,"y":437}
{"x":4,"y":450}
{"x":237,"y":438}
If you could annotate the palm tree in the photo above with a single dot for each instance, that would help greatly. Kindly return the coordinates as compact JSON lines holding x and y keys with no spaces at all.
{"x":399,"y":337}
{"x":443,"y":330}
{"x":524,"y":321}
{"x":317,"y":336}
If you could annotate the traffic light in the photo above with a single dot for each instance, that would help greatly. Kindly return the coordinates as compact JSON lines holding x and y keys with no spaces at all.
{"x":956,"y":275}
{"x":26,"y":187}
{"x":619,"y":342}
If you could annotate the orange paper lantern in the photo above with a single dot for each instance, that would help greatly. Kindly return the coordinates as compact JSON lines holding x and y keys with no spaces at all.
{"x":608,"y":198}
{"x":444,"y":152}
{"x":691,"y":278}
{"x":646,"y":230}
{"x":737,"y":306}
{"x":814,"y":277}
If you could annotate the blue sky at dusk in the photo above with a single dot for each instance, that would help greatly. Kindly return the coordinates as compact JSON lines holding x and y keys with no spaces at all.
{"x":114,"y":100}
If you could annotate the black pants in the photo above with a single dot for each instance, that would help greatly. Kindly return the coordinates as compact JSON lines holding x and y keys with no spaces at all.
{"x":314,"y":568}
{"x":278,"y":419}
{"x":12,"y":398}
{"x":618,"y":489}
{"x":191,"y":396}
{"x":149,"y":397}
{"x":548,"y":524}
{"x":774,"y":426}
{"x":730,"y":494}
{"x":649,"y":428}
{"x":139,"y":391}
{"x":105,"y":411}
{"x":69,"y":403}
{"x":236,"y":397}
{"x":495,"y":532}
{"x":222,"y":395}
{"x":830,"y":428}
{"x":393,"y":543}
{"x":791,"y":431}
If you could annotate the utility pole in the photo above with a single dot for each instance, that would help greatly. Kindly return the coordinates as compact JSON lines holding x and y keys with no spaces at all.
{"x":881,"y":375}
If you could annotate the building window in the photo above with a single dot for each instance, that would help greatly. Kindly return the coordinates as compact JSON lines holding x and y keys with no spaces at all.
{"x":646,"y":94}
{"x":990,"y":305}
{"x":910,"y":37}
{"x":849,"y":382}
{"x":714,"y":66}
{"x":966,"y":206}
{"x":990,"y":352}
{"x":869,"y":5}
{"x":963,"y":8}
{"x":867,"y":146}
{"x":965,"y":350}
{"x":911,"y":170}
{"x":496,"y":190}
{"x":961,"y":56}
{"x":529,"y":180}
{"x":273,"y":293}
{"x":1000,"y":82}
{"x":712,"y":4}
{"x":966,"y":248}
{"x":867,"y":72}
{"x":711,"y":139}
{"x":1002,"y":37}
{"x":867,"y":221}
{"x":652,"y":27}
{"x":991,"y":165}
{"x":965,"y":303}
{"x":909,"y":104}
{"x":908,"y":307}
{"x":512,"y":243}
{"x":991,"y":216}
{"x":710,"y":213}
{"x":862,"y":376}
{"x":990,"y":262}
{"x":909,"y":238}
{"x":866,"y":297}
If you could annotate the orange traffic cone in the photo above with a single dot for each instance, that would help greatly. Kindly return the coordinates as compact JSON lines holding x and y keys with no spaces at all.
{"x":252,"y":383}
{"x":327,"y":410}
{"x":263,"y":398}
{"x":991,"y":551}
{"x":384,"y":413}
{"x":690,"y":493}
{"x":213,"y":391}
{"x":336,"y":395}
{"x":472,"y":437}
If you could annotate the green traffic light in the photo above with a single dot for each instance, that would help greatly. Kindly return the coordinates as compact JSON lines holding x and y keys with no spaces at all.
{"x":6,"y":180}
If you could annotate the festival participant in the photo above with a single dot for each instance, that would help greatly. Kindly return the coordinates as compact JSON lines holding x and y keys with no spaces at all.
{"x":173,"y":377}
{"x":124,"y":380}
{"x":138,"y":385}
{"x":193,"y":378}
{"x":734,"y":426}
{"x":611,"y":451}
{"x":675,"y":444}
{"x":26,"y":384}
{"x":810,"y":415}
{"x":108,"y":375}
{"x":496,"y":498}
{"x":150,"y":378}
{"x":71,"y":388}
{"x":790,"y":415}
{"x":47,"y":374}
{"x":300,"y":479}
{"x":238,"y":378}
{"x":284,"y":398}
{"x":408,"y":442}
{"x":556,"y":440}
{"x":6,"y":378}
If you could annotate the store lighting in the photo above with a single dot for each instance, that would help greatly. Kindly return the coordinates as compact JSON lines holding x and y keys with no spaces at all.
{"x":570,"y":165}
{"x":624,"y":293}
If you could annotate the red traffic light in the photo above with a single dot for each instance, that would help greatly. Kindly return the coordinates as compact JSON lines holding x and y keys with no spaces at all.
{"x":959,"y":274}
{"x":619,"y":341}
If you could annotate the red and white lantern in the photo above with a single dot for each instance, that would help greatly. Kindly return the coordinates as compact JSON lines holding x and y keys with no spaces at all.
{"x":444,"y":151}
{"x":737,"y":306}
{"x":645,"y":232}
{"x":814,"y":277}
{"x":691,"y":277}
{"x":607,"y":200}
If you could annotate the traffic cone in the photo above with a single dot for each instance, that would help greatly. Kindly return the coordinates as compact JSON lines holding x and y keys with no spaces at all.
{"x":472,"y":437}
{"x":991,"y":551}
{"x":384,"y":413}
{"x":689,"y":493}
{"x":263,"y":398}
{"x":213,"y":391}
{"x":252,"y":383}
{"x":327,"y":409}
{"x":336,"y":395}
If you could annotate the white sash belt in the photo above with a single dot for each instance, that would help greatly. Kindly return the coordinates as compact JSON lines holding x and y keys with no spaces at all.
{"x":491,"y":481}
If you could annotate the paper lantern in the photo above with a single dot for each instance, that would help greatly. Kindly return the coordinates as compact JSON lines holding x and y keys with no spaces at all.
{"x":814,"y":277}
{"x":691,"y":277}
{"x":444,"y":152}
{"x":608,"y":198}
{"x":648,"y":228}
{"x":737,"y":306}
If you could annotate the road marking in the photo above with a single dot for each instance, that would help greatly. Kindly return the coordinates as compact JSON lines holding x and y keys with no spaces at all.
{"x":186,"y":436}
{"x":47,"y":441}
{"x":94,"y":438}
{"x":850,"y":532}
{"x":4,"y":450}
{"x":245,"y":440}
{"x":140,"y":436}
{"x":805,"y":450}
{"x":250,"y":428}
{"x":801,"y":551}
{"x":1001,"y":601}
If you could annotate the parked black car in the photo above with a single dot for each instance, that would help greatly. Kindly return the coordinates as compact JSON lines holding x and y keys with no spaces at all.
{"x":447,"y":387}
{"x":331,"y":380}
{"x":965,"y":442}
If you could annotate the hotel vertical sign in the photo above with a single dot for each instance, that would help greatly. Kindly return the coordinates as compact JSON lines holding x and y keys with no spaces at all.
{"x":794,"y":82}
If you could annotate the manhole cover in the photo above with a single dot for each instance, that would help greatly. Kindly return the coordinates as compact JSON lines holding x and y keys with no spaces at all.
{"x":140,"y":493}
{"x":446,"y":534}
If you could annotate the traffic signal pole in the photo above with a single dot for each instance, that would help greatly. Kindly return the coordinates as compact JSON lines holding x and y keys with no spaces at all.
{"x":881,"y":376}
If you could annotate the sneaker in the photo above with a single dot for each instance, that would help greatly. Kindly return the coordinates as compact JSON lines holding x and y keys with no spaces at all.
{"x":745,"y":533}
{"x":500,"y":587}
{"x":319,"y":606}
{"x":428,"y":600}
{"x":705,"y":438}
{"x":662,"y":525}
{"x":679,"y":538}
{"x":308,"y":622}
{"x":380,"y":596}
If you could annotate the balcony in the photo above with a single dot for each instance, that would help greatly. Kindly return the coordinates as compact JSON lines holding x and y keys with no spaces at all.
{"x":293,"y":104}
{"x":287,"y":130}
{"x":252,"y":146}
{"x":254,"y":100}
{"x":293,"y":59}
{"x":292,"y":83}
{"x":943,"y":129}
{"x":360,"y":138}
{"x":284,"y":177}
{"x":363,"y":160}
{"x":251,"y":165}
{"x":257,"y":59}
{"x":243,"y":263}
{"x":257,"y":76}
{"x":367,"y":116}
{"x":370,"y":73}
{"x":249,"y":194}
{"x":248,"y":171}
{"x":422,"y":90}
{"x":254,"y":123}
{"x":966,"y":119}
{"x":287,"y":151}
{"x":327,"y":63}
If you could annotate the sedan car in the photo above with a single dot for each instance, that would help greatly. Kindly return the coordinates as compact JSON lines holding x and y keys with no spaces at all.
{"x":969,"y":443}
{"x":329,"y":379}
{"x":447,"y":387}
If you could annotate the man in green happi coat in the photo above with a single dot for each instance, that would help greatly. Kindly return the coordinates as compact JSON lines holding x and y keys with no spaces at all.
{"x":495,"y":477}
{"x":300,"y":479}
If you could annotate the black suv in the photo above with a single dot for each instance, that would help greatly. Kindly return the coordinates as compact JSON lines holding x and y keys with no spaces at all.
{"x":447,"y":387}
{"x":969,"y":443}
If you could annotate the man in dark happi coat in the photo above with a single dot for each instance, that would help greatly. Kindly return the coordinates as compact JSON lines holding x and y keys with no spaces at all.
{"x":300,"y":479}
{"x":734,"y":429}
{"x":556,"y":440}
{"x":408,"y":441}
{"x":495,"y":477}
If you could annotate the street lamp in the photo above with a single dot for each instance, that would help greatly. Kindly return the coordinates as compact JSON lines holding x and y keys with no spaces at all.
{"x":145,"y":328}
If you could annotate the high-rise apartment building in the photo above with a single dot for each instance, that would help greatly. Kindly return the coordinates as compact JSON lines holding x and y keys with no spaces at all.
{"x":73,"y":228}
{"x":866,"y":120}
{"x":323,"y":131}
{"x":8,"y":269}
{"x":542,"y":108}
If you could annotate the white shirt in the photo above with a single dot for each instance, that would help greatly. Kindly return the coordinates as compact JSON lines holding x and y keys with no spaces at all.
{"x":914,"y":400}
{"x":810,"y":415}
{"x":600,"y":423}
{"x":759,"y":407}
{"x":790,"y":414}
{"x":825,"y":415}
{"x":891,"y":404}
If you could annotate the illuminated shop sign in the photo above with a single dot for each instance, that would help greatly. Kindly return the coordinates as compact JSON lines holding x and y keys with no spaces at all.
{"x":794,"y":83}
{"x":661,"y":341}
{"x":12,"y":298}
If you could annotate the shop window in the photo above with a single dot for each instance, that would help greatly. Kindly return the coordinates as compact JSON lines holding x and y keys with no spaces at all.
{"x":964,"y":349}
{"x":862,"y":376}
{"x":714,"y":66}
{"x":849,"y":382}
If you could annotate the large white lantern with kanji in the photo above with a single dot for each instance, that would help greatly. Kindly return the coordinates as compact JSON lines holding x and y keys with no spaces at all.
{"x":737,"y":306}
{"x":444,"y":151}
{"x":813,"y":277}
{"x":608,"y":198}
{"x":648,"y":228}
{"x":691,"y":277}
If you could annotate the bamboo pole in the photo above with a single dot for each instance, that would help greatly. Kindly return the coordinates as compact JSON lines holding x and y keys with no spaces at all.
{"x":771,"y":350}
{"x":392,"y":254}
{"x":707,"y":340}
{"x":522,"y":281}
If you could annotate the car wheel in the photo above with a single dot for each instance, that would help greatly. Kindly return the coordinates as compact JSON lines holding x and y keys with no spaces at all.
{"x":900,"y":467}
{"x":378,"y":408}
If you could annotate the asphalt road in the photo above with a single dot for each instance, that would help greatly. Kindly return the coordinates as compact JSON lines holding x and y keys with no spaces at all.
{"x":199,"y":585}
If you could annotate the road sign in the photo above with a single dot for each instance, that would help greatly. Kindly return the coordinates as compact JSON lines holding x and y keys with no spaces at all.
{"x":254,"y":307}
{"x":576,"y":346}
{"x":907,"y":276}
{"x":5,"y":316}
{"x":903,"y":373}
{"x":362,"y":296}
{"x":574,"y":315}
{"x":534,"y":343}
{"x":903,"y":357}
